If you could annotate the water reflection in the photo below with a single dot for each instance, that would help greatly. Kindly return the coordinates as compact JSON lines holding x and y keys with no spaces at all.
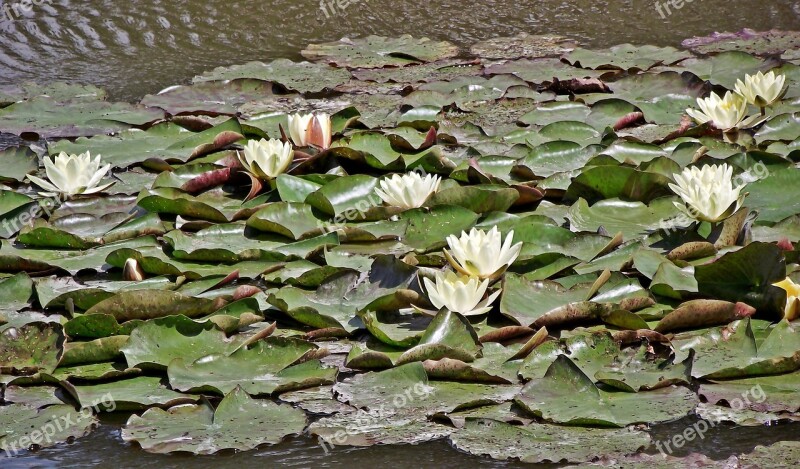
{"x":138,"y":46}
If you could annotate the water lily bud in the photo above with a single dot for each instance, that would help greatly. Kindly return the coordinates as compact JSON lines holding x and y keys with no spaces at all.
{"x":311,"y":129}
{"x":131,"y":271}
{"x":792,"y":289}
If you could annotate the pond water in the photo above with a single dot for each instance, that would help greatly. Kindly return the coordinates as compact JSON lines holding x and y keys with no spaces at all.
{"x":104,"y":446}
{"x":135,"y":47}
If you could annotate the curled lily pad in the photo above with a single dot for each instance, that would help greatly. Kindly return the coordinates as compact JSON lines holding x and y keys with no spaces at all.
{"x":151,"y":304}
{"x":239,"y":422}
{"x":449,"y":335}
{"x":130,"y":394}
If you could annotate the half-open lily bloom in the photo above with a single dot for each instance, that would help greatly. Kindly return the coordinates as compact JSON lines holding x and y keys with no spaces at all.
{"x":72,"y":175}
{"x":481,"y":254}
{"x":723,"y":113}
{"x":708,"y":192}
{"x":762,"y":89}
{"x":266,"y":159}
{"x":460,"y":293}
{"x":792,"y":299}
{"x":311,"y":129}
{"x":408,"y":190}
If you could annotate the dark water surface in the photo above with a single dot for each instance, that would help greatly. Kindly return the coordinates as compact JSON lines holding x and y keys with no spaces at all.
{"x":135,"y":47}
{"x":104,"y":449}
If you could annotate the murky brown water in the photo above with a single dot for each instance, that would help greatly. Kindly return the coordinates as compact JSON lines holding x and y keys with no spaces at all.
{"x":134,"y":47}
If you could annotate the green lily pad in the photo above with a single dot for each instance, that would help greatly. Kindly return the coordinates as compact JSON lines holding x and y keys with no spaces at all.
{"x":24,"y":427}
{"x":537,"y":443}
{"x":129,"y":305}
{"x":34,"y":347}
{"x":130,"y":395}
{"x":626,"y":57}
{"x":589,"y":405}
{"x":733,"y":354}
{"x":15,"y":292}
{"x":166,"y":141}
{"x":263,"y":369}
{"x":633,"y":219}
{"x":49,"y":118}
{"x":158,"y":342}
{"x":18,"y":162}
{"x":746,"y":40}
{"x":747,"y":275}
{"x":362,"y":428}
{"x":522,"y":45}
{"x":239,"y":423}
{"x":337,"y":300}
{"x":449,"y":335}
{"x":376,"y":51}
{"x":303,"y":77}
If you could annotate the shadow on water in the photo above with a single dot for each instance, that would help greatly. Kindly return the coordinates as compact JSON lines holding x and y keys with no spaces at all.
{"x":136,"y":47}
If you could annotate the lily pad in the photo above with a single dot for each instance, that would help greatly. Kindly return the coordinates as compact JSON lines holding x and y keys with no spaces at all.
{"x":25,"y":427}
{"x":537,"y":443}
{"x":376,"y":51}
{"x":239,"y":423}
{"x":590,"y":405}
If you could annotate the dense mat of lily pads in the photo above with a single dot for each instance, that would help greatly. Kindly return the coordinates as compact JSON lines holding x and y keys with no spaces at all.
{"x":534,"y":250}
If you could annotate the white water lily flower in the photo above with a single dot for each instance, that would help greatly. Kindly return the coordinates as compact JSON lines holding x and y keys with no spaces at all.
{"x":762,"y":90}
{"x":72,"y":175}
{"x":459,"y":293}
{"x":723,"y":113}
{"x":482,"y":254}
{"x":708,"y":192}
{"x":266,"y":159}
{"x":792,"y":311}
{"x":311,"y":129}
{"x":408,"y":190}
